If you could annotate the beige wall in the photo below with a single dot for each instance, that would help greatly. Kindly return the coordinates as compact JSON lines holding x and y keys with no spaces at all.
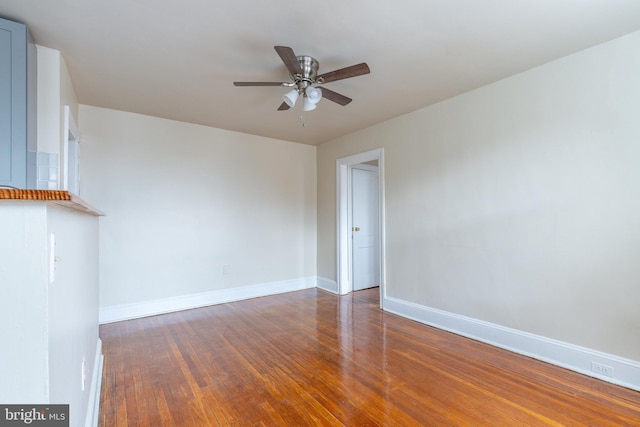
{"x":183,"y":200}
{"x":48,"y":100}
{"x":55,"y":91}
{"x":517,"y":203}
{"x":67,"y":92}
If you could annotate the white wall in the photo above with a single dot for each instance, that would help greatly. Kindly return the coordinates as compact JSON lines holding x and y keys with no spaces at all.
{"x":49,"y":328}
{"x":73,"y":311}
{"x":24,"y":366}
{"x":517,"y":203}
{"x":183,"y":201}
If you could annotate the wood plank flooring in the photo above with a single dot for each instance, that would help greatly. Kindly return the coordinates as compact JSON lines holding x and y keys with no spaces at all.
{"x":311,"y":358}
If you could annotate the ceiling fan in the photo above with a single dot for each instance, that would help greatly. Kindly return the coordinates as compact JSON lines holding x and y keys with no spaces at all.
{"x":303,"y":70}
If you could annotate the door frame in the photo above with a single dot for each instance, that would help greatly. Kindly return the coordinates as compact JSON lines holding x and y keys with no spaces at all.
{"x":343,"y":218}
{"x":71,"y":136}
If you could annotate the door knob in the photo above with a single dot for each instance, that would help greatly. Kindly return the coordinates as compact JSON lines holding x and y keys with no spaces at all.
{"x":356,"y":228}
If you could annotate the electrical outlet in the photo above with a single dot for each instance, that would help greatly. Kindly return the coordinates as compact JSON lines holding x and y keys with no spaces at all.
{"x":225,"y":269}
{"x":601,"y":369}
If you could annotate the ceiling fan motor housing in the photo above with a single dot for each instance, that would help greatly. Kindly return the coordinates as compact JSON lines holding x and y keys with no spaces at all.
{"x":309,"y":67}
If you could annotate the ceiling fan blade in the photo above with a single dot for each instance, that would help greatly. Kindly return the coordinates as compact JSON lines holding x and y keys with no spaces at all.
{"x":335,"y":97}
{"x":345,"y":73}
{"x":289,"y":59}
{"x":283,"y":107}
{"x":257,"y":83}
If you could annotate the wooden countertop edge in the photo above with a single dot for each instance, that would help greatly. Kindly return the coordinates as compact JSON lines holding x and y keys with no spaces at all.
{"x":58,"y":197}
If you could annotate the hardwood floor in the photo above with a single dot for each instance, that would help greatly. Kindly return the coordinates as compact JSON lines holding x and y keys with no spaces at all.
{"x":313,"y":358}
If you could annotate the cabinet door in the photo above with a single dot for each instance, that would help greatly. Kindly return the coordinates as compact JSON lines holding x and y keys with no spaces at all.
{"x":13,"y":104}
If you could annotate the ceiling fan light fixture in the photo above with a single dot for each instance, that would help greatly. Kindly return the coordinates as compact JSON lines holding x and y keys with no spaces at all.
{"x":308,"y":104}
{"x":291,"y":97}
{"x":303,"y":71}
{"x":314,"y":94}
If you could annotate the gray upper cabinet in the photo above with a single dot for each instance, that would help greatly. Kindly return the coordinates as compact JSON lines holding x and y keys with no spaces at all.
{"x":17,"y":106}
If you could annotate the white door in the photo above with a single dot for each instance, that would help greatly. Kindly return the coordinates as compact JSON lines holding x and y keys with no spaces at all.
{"x":365,"y":227}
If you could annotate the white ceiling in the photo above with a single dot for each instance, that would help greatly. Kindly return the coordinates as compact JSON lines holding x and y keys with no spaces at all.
{"x":178,"y":59}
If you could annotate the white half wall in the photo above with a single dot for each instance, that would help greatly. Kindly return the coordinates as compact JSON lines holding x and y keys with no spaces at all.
{"x":193,"y":209}
{"x":49,"y":307}
{"x":72,"y":331}
{"x":516,"y":204}
{"x":24,"y":365}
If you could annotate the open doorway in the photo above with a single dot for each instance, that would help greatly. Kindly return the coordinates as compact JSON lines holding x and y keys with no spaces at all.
{"x":371,"y":241}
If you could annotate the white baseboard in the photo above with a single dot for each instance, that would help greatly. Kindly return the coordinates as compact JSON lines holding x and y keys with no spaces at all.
{"x":93,"y":407}
{"x":624,"y":372}
{"x":185,"y":302}
{"x":328,"y":285}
